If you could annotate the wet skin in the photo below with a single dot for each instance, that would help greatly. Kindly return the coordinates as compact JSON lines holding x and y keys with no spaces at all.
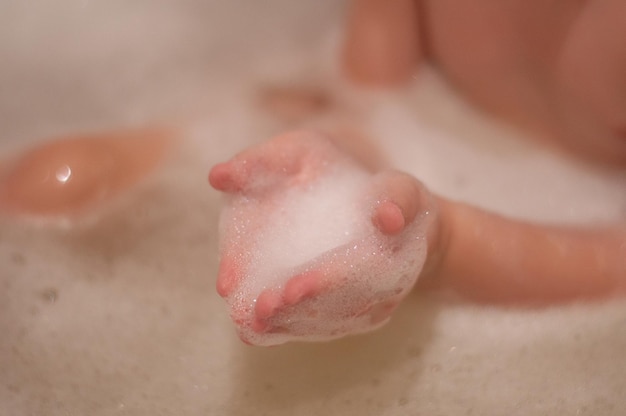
{"x":555,"y":67}
{"x":67,"y":177}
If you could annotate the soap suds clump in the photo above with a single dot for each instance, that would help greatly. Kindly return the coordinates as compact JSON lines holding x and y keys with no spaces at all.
{"x":324,"y":228}
{"x":309,"y":221}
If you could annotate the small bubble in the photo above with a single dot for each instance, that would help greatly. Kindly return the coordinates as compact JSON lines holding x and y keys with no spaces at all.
{"x":50,"y":295}
{"x":435,"y":368}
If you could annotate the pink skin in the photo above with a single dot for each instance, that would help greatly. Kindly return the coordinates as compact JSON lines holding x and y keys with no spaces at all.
{"x":293,"y":159}
{"x":554,"y":67}
{"x":304,"y":287}
{"x":69,"y":177}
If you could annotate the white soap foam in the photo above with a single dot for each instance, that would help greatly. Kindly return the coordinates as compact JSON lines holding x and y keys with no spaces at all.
{"x":309,"y":221}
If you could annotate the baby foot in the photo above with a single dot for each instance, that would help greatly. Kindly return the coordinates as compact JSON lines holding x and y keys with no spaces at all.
{"x":313,"y":247}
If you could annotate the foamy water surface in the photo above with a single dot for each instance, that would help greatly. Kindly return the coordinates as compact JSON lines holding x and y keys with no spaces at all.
{"x":121,"y":316}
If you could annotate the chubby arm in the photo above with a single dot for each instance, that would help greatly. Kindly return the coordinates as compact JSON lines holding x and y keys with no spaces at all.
{"x":490,"y":258}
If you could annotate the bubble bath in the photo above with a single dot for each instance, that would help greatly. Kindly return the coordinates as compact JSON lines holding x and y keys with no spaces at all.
{"x":135,"y":326}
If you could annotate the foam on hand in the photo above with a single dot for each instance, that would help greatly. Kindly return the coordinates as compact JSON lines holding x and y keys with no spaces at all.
{"x":322,"y":226}
{"x":307,"y":223}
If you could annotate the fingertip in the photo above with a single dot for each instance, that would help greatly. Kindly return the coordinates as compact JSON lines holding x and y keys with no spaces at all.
{"x":220,"y":177}
{"x":227,"y":278}
{"x":267,"y":304}
{"x":302,"y":286}
{"x":388,"y":218}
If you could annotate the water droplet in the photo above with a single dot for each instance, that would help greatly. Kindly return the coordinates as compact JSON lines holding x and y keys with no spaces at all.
{"x":63,"y":174}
